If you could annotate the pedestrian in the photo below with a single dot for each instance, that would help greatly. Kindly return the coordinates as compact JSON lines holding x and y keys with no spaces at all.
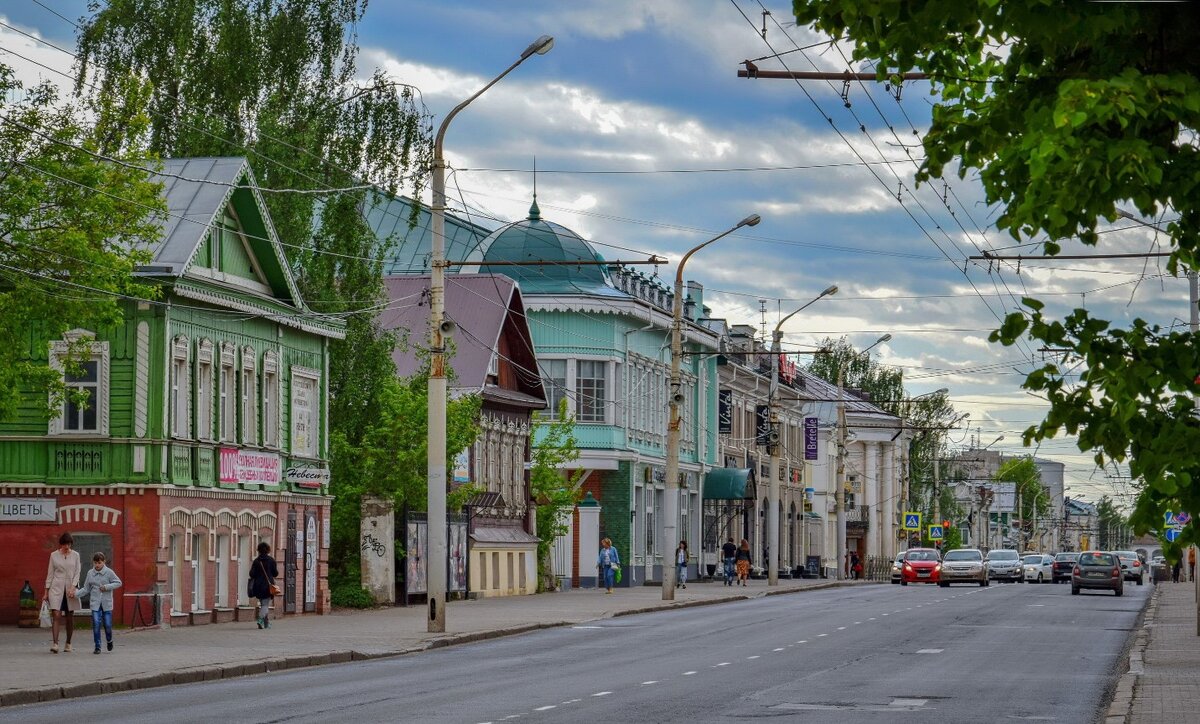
{"x":99,"y":585}
{"x":742,"y":559}
{"x":1175,"y":568}
{"x":1192,"y":563}
{"x":855,"y":565}
{"x":729,"y":552}
{"x":62,"y":575}
{"x":609,"y":563}
{"x":681,"y":563}
{"x":263,"y":573}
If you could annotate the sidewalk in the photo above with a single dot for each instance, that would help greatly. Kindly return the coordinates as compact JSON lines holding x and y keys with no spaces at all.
{"x":149,"y":658}
{"x":1163,"y":680}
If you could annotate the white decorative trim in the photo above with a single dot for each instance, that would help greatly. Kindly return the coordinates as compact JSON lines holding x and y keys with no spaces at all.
{"x":88,"y":513}
{"x":271,"y":405}
{"x":631,"y":307}
{"x":289,"y":319}
{"x":180,"y":390}
{"x":98,"y":352}
{"x":248,"y":402}
{"x":204,"y":358}
{"x":141,"y":381}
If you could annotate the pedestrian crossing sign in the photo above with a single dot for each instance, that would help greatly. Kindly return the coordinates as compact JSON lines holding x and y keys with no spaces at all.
{"x":912,"y":521}
{"x":935,"y":532}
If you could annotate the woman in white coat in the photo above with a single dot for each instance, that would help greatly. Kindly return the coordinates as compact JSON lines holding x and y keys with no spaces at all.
{"x":62,"y":575}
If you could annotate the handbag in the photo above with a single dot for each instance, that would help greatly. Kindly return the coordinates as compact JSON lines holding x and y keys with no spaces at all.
{"x":44,"y":616}
{"x":616,"y":574}
{"x":273,"y":589}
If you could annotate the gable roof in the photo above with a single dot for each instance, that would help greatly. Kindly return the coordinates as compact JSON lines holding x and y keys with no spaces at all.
{"x":197,"y":191}
{"x":485,"y":307}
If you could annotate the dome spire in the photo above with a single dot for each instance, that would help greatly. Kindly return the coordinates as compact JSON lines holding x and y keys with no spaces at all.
{"x":535,"y":214}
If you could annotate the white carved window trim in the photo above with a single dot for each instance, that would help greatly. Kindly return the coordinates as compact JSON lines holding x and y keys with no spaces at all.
{"x":99,"y":353}
{"x":270,"y":399}
{"x":227,"y":395}
{"x":306,"y":376}
{"x":204,"y":389}
{"x":249,"y":396}
{"x":181,"y":388}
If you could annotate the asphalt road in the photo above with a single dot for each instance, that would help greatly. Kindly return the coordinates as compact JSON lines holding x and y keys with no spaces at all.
{"x":874,"y":654}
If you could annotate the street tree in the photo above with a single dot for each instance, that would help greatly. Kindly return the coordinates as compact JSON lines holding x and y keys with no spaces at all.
{"x":277,"y":81}
{"x":69,"y":240}
{"x":552,"y":487}
{"x":1071,"y":114}
{"x":1033,"y":500}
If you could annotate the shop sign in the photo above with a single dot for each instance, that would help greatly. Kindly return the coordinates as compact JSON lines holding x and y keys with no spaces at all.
{"x":810,"y":438}
{"x":249,"y":466}
{"x":306,"y":477}
{"x":28,"y":510}
{"x":725,"y":411}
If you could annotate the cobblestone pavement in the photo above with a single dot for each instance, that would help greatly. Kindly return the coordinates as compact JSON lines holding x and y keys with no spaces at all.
{"x":143,"y":658}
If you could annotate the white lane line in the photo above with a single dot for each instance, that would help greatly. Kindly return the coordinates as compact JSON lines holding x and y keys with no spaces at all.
{"x":857,"y":623}
{"x":572,"y":701}
{"x":843,"y":628}
{"x":723,"y":663}
{"x":548,"y":707}
{"x":755,"y":657}
{"x":908,"y":702}
{"x":884,"y":614}
{"x":648,"y":683}
{"x":602,"y":693}
{"x":586,"y":627}
{"x":802,"y":642}
{"x":777,"y":649}
{"x":688,"y":673}
{"x":930,"y":651}
{"x":820,"y":635}
{"x":873,"y":618}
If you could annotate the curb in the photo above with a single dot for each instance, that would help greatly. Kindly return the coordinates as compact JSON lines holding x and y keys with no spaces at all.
{"x":1121,"y":706}
{"x":233,"y":671}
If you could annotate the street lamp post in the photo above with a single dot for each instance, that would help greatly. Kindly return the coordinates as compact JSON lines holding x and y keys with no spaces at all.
{"x":439,"y":329}
{"x":773,"y":444}
{"x":671,"y":504}
{"x":840,"y":493}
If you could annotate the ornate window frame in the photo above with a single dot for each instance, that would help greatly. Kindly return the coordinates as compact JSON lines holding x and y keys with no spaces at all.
{"x":270,"y":392}
{"x":181,"y":388}
{"x":97,"y":352}
{"x":248,"y":400}
{"x":227,"y":394}
{"x":204,"y":389}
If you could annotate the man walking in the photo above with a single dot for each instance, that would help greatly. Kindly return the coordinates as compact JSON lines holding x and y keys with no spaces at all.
{"x":729,"y":553}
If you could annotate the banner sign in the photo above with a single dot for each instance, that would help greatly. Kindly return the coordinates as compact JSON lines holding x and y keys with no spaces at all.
{"x":725,"y":412}
{"x":810,"y":438}
{"x":249,"y":466}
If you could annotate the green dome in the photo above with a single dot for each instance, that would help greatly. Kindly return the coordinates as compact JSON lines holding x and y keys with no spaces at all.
{"x":534,"y":239}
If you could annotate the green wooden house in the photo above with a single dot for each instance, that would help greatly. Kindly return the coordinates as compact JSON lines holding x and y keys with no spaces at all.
{"x":207,"y":432}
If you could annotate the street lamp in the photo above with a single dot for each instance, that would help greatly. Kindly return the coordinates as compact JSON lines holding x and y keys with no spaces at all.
{"x":671,"y":505}
{"x":773,"y":443}
{"x":439,"y":329}
{"x":840,"y":493}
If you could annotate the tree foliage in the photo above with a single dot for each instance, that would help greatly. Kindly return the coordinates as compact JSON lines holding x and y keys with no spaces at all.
{"x":277,"y":81}
{"x":1033,"y":500}
{"x":551,"y":487}
{"x":390,"y":458}
{"x":67,"y":253}
{"x":1070,"y":112}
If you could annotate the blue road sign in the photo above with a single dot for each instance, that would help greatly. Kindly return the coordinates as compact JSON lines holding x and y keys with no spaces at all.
{"x":1173,"y":534}
{"x":935,"y":532}
{"x":1169,"y":517}
{"x":912,"y":521}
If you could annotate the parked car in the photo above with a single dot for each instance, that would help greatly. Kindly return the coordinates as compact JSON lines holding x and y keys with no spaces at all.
{"x":964,"y":565}
{"x":1004,"y":565}
{"x":1037,"y":567}
{"x":1132,"y":567}
{"x":897,"y":565}
{"x":1097,"y":570}
{"x":1064,"y":563}
{"x":921,"y":565}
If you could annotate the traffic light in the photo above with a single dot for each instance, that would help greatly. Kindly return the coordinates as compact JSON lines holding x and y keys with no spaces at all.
{"x":946,"y":525}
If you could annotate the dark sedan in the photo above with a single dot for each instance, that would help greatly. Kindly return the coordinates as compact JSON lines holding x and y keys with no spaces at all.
{"x":1097,"y":570}
{"x":1064,"y":563}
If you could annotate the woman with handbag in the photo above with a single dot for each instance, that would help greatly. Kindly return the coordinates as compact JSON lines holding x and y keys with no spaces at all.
{"x":609,"y":564}
{"x":62,"y":576}
{"x":263,"y":573}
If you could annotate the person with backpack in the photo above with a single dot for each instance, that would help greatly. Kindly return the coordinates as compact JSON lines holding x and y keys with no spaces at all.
{"x":729,"y":553}
{"x":609,"y":563}
{"x":263,"y":573}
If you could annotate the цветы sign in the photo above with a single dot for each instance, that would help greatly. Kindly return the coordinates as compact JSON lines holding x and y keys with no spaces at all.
{"x":28,"y":510}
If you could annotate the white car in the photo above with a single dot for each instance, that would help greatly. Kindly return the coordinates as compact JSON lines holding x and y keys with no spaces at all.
{"x":1037,"y":568}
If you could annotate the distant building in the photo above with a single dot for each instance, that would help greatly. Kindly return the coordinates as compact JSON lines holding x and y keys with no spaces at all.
{"x":206,"y":431}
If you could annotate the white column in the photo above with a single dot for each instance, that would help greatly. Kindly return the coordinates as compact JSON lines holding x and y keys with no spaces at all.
{"x":871,"y":495}
{"x":890,"y":471}
{"x":589,"y":544}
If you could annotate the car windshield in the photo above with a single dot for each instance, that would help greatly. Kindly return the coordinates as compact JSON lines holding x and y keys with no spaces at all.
{"x":1002,"y":556}
{"x":1063,"y":557}
{"x":1096,"y":559}
{"x":964,"y":556}
{"x":922,"y":556}
{"x":1033,"y":559}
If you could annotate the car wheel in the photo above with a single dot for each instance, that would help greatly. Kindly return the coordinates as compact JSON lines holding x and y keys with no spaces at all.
{"x":943,"y":585}
{"x":1040,"y":578}
{"x":903,"y":582}
{"x":1140,"y":581}
{"x":894,"y":581}
{"x":1120,"y":591}
{"x":1074,"y":590}
{"x":983,"y":583}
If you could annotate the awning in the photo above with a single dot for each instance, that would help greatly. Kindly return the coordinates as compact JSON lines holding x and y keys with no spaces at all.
{"x":726,"y":483}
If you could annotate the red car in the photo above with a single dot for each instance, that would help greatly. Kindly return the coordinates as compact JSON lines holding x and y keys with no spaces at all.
{"x":921,"y":565}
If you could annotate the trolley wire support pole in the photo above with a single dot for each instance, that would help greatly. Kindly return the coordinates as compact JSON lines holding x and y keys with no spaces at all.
{"x":439,"y":329}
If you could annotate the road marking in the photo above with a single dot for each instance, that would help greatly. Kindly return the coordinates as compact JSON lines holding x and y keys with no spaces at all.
{"x":572,"y":701}
{"x":688,"y":673}
{"x":751,"y":657}
{"x":908,"y":702}
{"x":843,"y":628}
{"x":586,"y":627}
{"x":1036,"y":605}
{"x":777,"y":649}
{"x":602,"y":693}
{"x":929,"y":651}
{"x":723,"y":663}
{"x":802,"y":642}
{"x":820,"y":635}
{"x":873,"y":618}
{"x":857,"y":623}
{"x":884,"y":614}
{"x":648,"y":683}
{"x":546,"y":708}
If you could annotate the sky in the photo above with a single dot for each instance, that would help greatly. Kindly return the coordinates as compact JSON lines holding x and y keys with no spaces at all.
{"x":646,"y":142}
